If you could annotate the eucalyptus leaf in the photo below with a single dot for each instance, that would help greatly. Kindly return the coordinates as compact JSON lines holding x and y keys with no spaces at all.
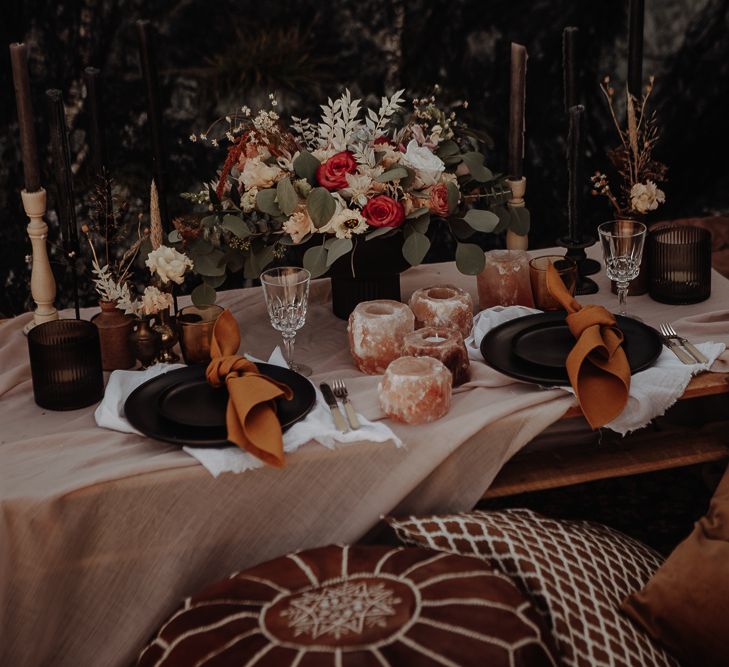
{"x":211,"y":264}
{"x":203,"y":295}
{"x":174,"y":236}
{"x":520,"y":220}
{"x":209,"y":221}
{"x":214,"y":281}
{"x":393,"y":174}
{"x":447,"y":149}
{"x":305,"y":166}
{"x":504,"y":218}
{"x":287,"y":198}
{"x":452,"y":160}
{"x":266,"y":202}
{"x":475,"y":163}
{"x":233,"y":261}
{"x":417,"y":212}
{"x":199,"y":247}
{"x":481,"y":221}
{"x":315,"y":261}
{"x":338,"y":249}
{"x":460,"y":229}
{"x":236,"y":226}
{"x":470,"y":259}
{"x":422,"y":223}
{"x":415,"y":248}
{"x":380,"y":231}
{"x":263,"y":257}
{"x":321,"y":206}
{"x":453,"y":194}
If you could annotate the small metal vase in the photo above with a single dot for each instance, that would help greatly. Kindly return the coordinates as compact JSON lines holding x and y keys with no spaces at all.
{"x":167,"y":329}
{"x":146,"y":342}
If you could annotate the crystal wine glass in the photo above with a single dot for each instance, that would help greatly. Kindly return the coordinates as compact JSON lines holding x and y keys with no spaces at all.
{"x":622,"y":247}
{"x":286,"y":290}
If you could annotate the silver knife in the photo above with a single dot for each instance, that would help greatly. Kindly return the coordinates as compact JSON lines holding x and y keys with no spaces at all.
{"x":677,"y":350}
{"x":331,"y":400}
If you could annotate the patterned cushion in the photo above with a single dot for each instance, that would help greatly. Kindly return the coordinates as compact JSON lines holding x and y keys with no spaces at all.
{"x":357,"y":606}
{"x":577,"y":573}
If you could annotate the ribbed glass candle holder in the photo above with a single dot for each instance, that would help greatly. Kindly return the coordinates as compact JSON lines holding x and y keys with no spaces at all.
{"x":679,"y":260}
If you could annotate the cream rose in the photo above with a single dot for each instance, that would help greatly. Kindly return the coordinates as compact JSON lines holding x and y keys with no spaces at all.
{"x":154,"y":300}
{"x":646,"y":197}
{"x":168,"y":264}
{"x":257,"y":174}
{"x":299,"y":225}
{"x":427,"y":164}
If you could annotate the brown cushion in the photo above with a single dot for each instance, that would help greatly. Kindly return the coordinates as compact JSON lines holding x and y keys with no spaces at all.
{"x":576,"y":573}
{"x":686,"y":604}
{"x":357,"y":607}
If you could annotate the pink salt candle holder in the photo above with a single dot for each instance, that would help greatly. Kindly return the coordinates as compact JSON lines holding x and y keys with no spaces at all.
{"x":416,"y":390}
{"x":376,"y":332}
{"x":504,"y":280}
{"x":443,"y":306}
{"x":444,"y":344}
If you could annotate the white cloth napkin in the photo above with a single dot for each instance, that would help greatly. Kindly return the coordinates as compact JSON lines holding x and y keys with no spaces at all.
{"x":652,"y":391}
{"x":316,"y":426}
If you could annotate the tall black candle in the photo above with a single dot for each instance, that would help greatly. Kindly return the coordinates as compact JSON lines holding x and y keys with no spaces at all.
{"x":517,"y":102}
{"x":569,"y":66}
{"x":28,"y":147}
{"x":635,"y":47}
{"x":65,"y":204}
{"x":574,"y":168}
{"x":147,"y":57}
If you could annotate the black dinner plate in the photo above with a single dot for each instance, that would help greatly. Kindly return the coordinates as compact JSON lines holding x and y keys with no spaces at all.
{"x":535,"y":347}
{"x":182,"y":408}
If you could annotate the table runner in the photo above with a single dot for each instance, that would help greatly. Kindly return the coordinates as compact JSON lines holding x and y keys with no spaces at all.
{"x":103,"y":533}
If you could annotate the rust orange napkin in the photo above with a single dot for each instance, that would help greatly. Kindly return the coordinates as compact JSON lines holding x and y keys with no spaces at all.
{"x":251,"y":415}
{"x":596,"y":366}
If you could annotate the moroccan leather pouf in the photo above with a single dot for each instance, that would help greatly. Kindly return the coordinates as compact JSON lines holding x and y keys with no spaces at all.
{"x":356,"y":607}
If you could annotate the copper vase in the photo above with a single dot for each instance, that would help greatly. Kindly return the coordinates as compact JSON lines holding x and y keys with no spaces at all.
{"x":166,"y":326}
{"x":114,"y":330}
{"x":146,"y":342}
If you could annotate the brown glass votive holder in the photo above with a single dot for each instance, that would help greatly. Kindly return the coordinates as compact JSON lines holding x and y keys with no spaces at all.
{"x":679,"y":260}
{"x":567,"y":270}
{"x":65,"y":364}
{"x":195,"y":326}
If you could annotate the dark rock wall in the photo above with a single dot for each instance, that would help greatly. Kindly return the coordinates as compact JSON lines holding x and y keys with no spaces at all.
{"x":214,"y":56}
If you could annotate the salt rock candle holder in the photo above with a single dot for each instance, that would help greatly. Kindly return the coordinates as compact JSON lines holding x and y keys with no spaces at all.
{"x":416,"y":390}
{"x":504,"y":280}
{"x":376,"y":332}
{"x":444,"y":344}
{"x":443,"y":305}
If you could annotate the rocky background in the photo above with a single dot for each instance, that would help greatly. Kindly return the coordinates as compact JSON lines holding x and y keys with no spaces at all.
{"x":215,"y":56}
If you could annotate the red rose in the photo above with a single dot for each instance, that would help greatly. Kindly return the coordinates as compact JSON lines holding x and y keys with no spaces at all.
{"x":384,"y":211}
{"x":438,"y":203}
{"x":332,"y":174}
{"x":383,"y":139}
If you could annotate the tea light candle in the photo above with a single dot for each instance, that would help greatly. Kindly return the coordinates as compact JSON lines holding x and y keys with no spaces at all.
{"x":376,"y":331}
{"x":443,"y":306}
{"x":442,"y":343}
{"x":504,"y":280}
{"x":416,"y":390}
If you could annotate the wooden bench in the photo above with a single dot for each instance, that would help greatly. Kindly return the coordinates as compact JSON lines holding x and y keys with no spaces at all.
{"x":646,"y":451}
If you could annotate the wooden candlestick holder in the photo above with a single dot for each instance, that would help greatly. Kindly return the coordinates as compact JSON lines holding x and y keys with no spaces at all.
{"x":516,"y":241}
{"x":42,"y":282}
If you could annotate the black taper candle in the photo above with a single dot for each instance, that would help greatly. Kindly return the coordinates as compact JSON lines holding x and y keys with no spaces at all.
{"x":569,"y":66}
{"x":26,"y":122}
{"x":63,"y":178}
{"x":574,"y":168}
{"x":635,"y":47}
{"x":517,"y":104}
{"x":147,"y":58}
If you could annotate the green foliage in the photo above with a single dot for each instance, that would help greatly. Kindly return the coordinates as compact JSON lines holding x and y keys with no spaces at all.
{"x":470,"y":258}
{"x":286,"y":196}
{"x":203,"y":295}
{"x":415,"y":247}
{"x":321,"y":206}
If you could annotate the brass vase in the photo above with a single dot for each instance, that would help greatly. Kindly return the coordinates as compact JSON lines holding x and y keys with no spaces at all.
{"x":146,"y":342}
{"x":114,"y":330}
{"x":166,"y":327}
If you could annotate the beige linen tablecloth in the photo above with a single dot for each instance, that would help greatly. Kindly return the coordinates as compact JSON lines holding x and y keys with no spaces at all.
{"x":104,"y":533}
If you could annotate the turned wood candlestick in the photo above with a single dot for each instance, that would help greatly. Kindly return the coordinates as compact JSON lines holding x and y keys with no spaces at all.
{"x":516,"y":241}
{"x":42,"y":282}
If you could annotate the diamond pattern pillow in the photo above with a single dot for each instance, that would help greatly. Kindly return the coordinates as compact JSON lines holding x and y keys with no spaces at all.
{"x":577,"y":573}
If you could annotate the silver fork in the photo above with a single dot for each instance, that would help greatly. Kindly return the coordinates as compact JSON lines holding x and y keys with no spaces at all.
{"x":669,"y":332}
{"x":340,"y":391}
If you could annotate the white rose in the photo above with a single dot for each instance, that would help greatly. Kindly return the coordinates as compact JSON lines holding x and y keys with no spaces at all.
{"x":257,"y":174}
{"x":168,"y":264}
{"x":644,"y":198}
{"x":428,"y":165}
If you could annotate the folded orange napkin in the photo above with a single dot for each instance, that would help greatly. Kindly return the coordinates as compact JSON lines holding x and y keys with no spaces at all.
{"x":251,"y":415}
{"x":596,"y":366}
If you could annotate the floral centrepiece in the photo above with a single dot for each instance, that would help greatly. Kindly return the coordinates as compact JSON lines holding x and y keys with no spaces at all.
{"x":355,"y":175}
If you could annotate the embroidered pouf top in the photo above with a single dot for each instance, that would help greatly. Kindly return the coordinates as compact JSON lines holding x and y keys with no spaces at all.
{"x":357,"y":606}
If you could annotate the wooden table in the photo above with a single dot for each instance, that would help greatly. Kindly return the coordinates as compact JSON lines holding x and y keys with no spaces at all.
{"x":646,"y":451}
